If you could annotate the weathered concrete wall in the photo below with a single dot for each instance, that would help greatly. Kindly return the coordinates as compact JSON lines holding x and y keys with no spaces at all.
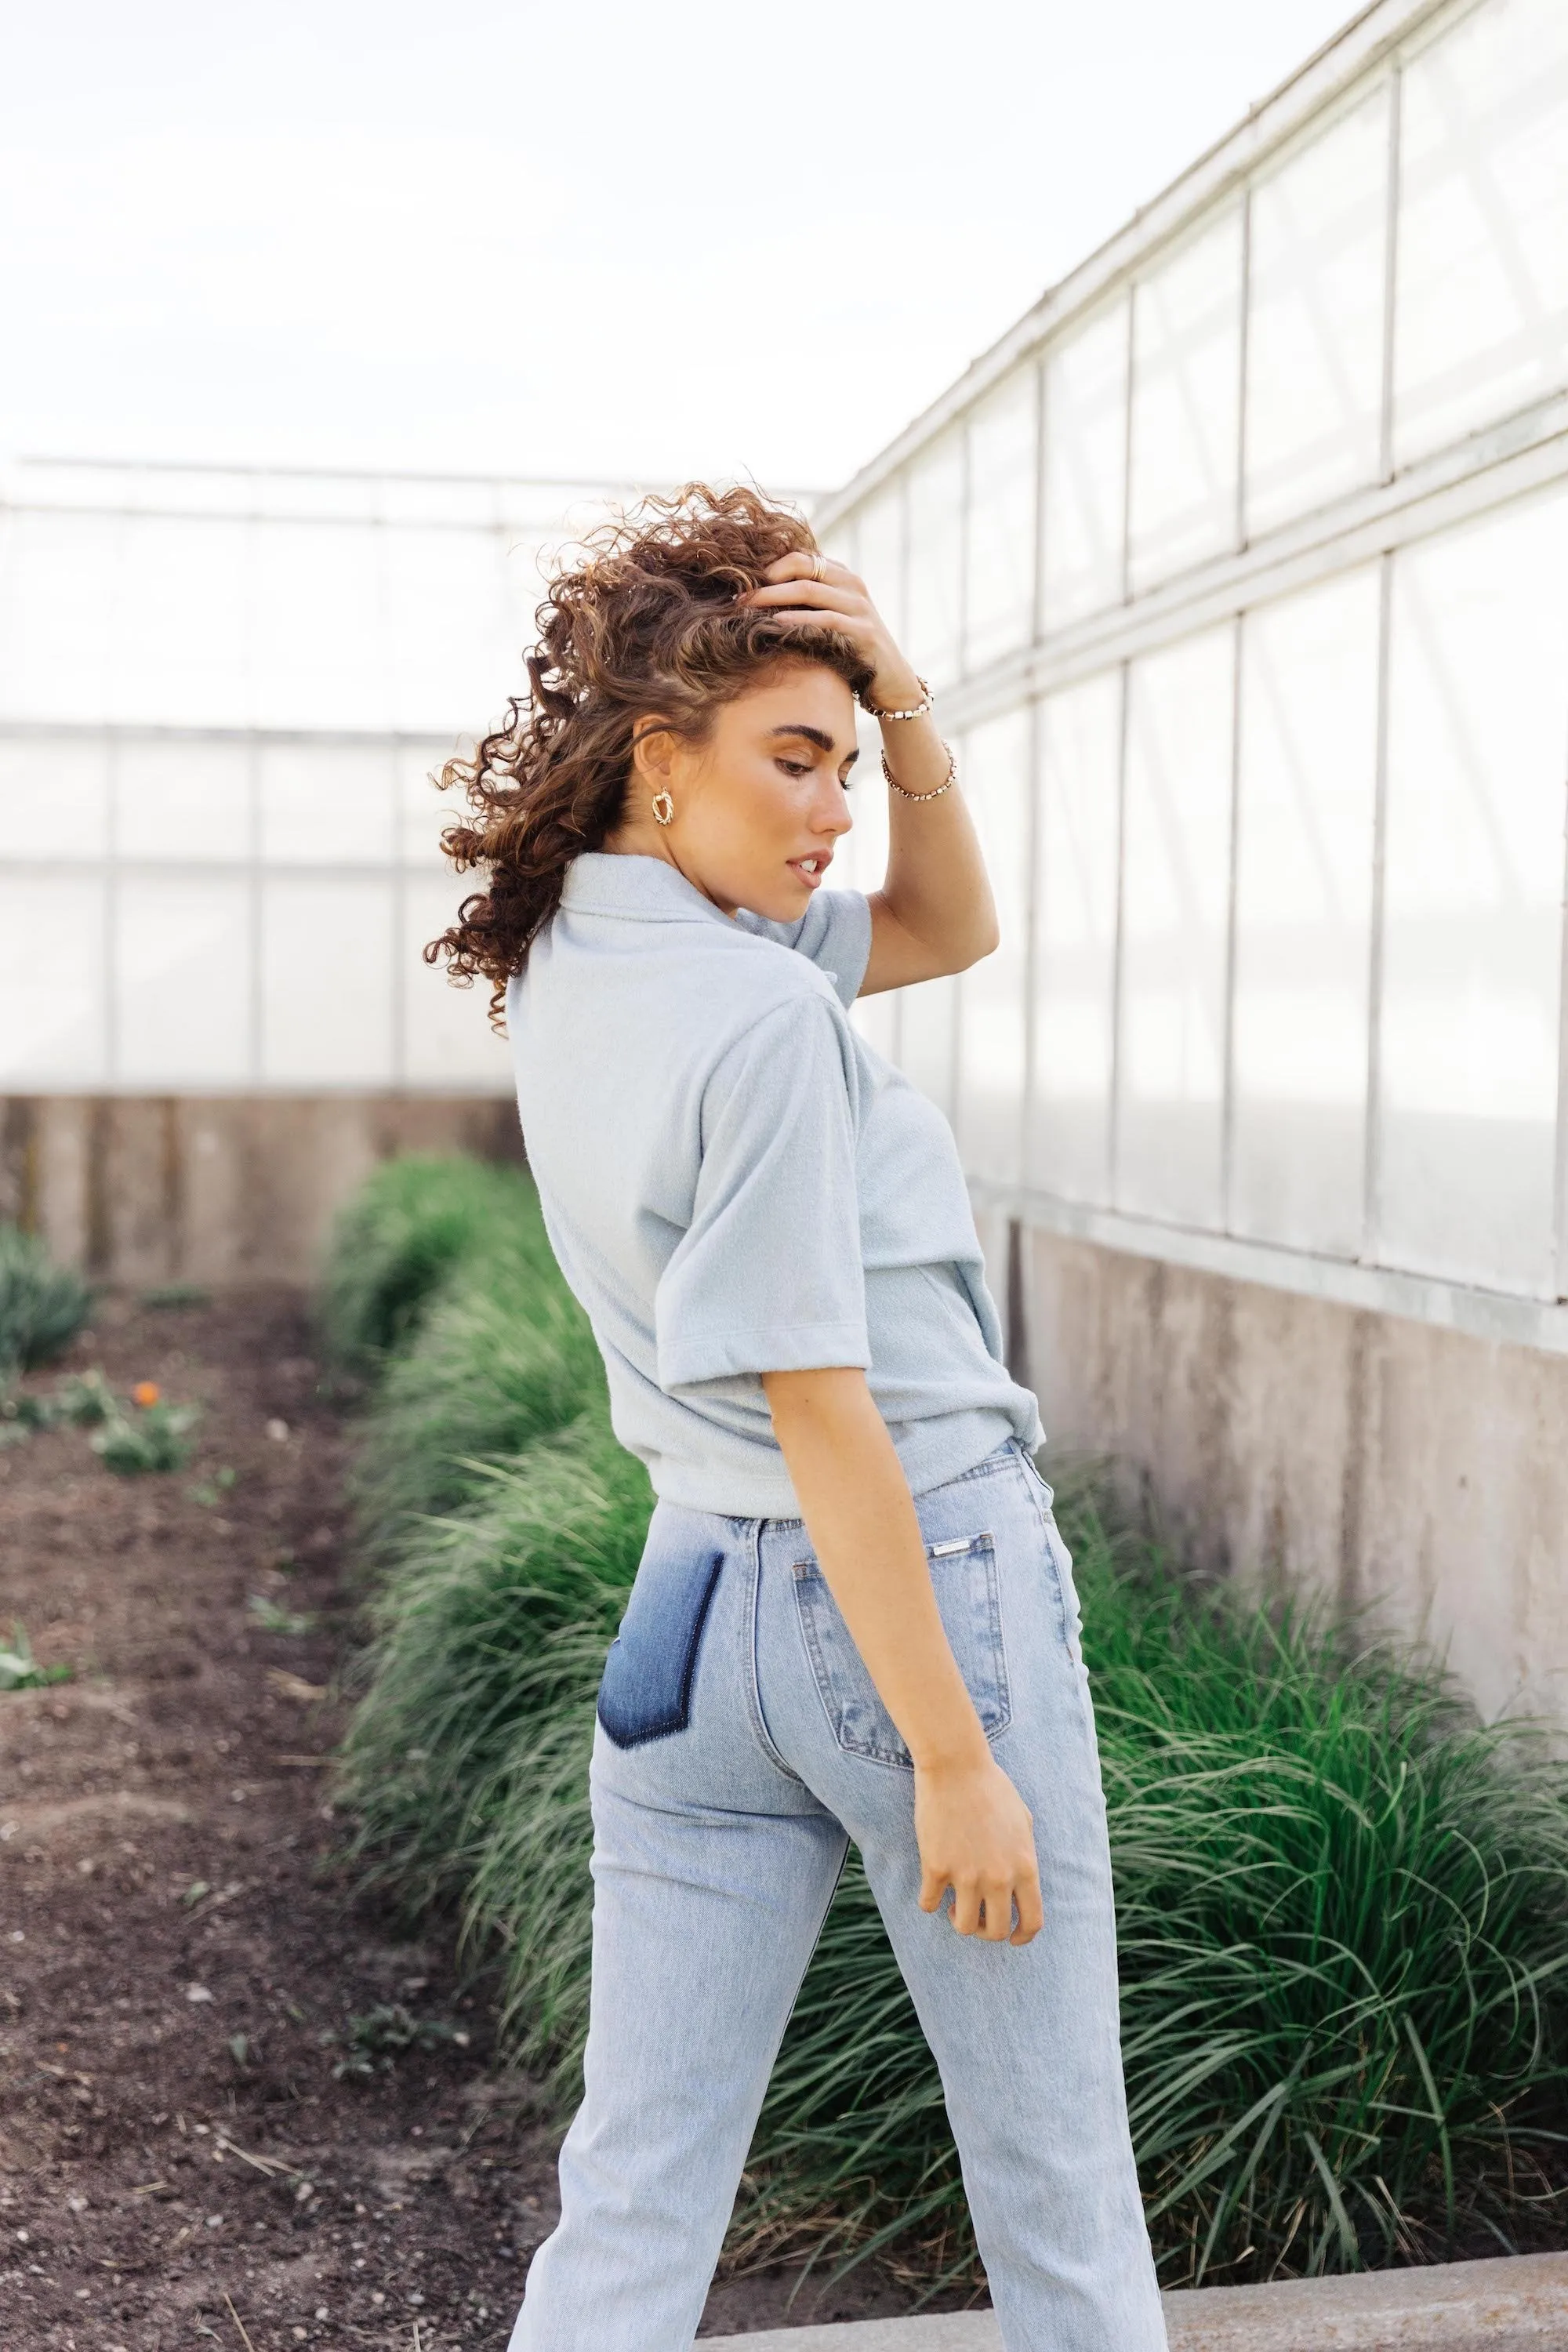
{"x":215,"y":1189}
{"x":1384,"y":1462}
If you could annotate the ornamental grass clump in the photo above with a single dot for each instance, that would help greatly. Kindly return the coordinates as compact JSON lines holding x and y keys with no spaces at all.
{"x":503,"y":1356}
{"x":1342,"y":1908}
{"x":1342,"y":1901}
{"x":42,"y":1306}
{"x":403,"y":1233}
{"x":488,"y":1634}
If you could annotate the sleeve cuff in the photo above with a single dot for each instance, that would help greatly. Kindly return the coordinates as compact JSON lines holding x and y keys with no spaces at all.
{"x":797,"y":1347}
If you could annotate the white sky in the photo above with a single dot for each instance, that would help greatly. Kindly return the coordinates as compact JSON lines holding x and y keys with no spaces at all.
{"x":598,"y":236}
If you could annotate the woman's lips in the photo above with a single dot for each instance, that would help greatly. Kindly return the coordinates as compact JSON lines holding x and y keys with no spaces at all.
{"x":811,"y":869}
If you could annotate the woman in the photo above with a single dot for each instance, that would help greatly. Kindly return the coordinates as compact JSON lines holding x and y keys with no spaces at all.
{"x":854,"y":1617}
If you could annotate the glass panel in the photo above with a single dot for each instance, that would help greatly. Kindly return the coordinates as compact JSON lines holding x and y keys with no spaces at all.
{"x":1472,"y":949}
{"x":877,"y":1019}
{"x":1084,"y":493}
{"x":1175,"y":895}
{"x":447,"y":1040}
{"x":1314,"y":352}
{"x":1186,"y":405}
{"x":1305,"y":818}
{"x":423,"y":809}
{"x":1067,"y":1139}
{"x":182,"y":981}
{"x":54,"y":797}
{"x":58,"y":578}
{"x":999,"y":579}
{"x":927,"y":1026}
{"x":326,"y":802}
{"x":319,"y":649}
{"x":456,"y":621}
{"x":327,"y":1000}
{"x":176,"y":800}
{"x":839,"y":543}
{"x":879,"y":545}
{"x":935,"y":559}
{"x":52,"y":995}
{"x":179,"y":653}
{"x":1482,"y":289}
{"x":991,"y":994}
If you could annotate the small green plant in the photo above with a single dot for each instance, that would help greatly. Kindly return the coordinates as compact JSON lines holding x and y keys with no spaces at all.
{"x":153,"y":1438}
{"x":210,"y":1492}
{"x":272,"y":1619}
{"x":19,"y":1670}
{"x":374,"y":2042}
{"x":86,"y":1400}
{"x":42,"y":1306}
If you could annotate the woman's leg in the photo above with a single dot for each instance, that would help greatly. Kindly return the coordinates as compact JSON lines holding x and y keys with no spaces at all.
{"x":712,"y":1871}
{"x":1027,"y":2038}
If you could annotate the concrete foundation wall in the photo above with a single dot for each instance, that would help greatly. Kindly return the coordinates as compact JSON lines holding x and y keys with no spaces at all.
{"x":1381,"y":1461}
{"x":219,"y":1188}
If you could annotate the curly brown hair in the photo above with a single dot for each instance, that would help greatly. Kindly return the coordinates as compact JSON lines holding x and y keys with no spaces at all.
{"x":644,"y":623}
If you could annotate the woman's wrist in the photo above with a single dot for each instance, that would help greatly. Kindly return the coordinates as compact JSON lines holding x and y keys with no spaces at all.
{"x":896,"y":690}
{"x":950,"y":1755}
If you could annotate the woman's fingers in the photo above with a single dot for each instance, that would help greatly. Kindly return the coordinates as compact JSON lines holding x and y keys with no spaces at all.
{"x":966,"y":1901}
{"x":1031,"y":1909}
{"x":804,"y":565}
{"x":838,"y":592}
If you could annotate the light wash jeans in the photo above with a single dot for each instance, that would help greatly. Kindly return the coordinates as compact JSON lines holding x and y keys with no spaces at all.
{"x":740,"y":1744}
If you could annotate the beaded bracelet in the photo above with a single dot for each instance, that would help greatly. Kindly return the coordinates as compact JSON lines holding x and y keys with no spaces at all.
{"x":920,"y":711}
{"x":937,"y":791}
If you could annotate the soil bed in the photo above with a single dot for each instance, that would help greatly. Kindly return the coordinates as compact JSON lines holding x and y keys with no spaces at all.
{"x":181,"y":1957}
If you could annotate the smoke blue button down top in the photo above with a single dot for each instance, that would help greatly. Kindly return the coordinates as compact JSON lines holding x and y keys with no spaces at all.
{"x":735,"y":1183}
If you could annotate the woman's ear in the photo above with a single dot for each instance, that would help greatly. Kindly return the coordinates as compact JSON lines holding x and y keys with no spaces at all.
{"x":653,"y":746}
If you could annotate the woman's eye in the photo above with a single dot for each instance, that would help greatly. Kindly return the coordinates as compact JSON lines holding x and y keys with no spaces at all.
{"x":795,"y":767}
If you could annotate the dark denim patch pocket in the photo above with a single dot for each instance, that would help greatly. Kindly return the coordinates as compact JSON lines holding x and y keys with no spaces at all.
{"x":646,"y":1690}
{"x":963,"y":1578}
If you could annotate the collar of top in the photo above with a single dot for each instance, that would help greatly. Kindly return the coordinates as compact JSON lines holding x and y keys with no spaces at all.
{"x":636,"y":888}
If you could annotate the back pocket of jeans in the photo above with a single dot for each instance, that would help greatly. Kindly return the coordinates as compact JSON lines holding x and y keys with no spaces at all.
{"x":646,"y":1689}
{"x":963,"y":1578}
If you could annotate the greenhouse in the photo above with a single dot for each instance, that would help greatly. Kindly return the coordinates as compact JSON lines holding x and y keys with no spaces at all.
{"x":1240,"y":566}
{"x":1241,"y":563}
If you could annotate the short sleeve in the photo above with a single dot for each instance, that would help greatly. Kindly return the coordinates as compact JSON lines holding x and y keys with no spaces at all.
{"x":834,"y":933}
{"x":768,"y":1275}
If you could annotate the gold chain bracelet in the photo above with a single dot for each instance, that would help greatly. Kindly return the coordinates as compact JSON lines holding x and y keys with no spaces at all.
{"x":936,"y":792}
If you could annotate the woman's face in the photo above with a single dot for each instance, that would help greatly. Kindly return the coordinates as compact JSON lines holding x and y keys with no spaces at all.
{"x":759,"y":806}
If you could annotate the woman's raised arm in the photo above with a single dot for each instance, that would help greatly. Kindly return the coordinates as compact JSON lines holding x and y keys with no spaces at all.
{"x":934,"y":913}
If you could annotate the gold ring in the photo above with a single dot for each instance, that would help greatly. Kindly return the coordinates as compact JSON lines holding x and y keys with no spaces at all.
{"x":817,"y":572}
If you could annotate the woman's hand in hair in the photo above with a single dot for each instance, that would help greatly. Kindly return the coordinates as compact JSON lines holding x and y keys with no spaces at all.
{"x":839,"y":601}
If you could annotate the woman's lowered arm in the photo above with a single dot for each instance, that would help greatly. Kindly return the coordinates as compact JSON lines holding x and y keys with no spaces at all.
{"x":974,"y":1830}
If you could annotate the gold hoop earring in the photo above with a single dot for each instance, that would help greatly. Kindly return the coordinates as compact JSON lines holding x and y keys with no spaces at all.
{"x":664,"y":814}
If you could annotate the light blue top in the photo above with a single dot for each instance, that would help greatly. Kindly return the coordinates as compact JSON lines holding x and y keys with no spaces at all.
{"x":735,"y":1183}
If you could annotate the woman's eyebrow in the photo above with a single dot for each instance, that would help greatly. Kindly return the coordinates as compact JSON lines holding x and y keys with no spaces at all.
{"x":817,"y":735}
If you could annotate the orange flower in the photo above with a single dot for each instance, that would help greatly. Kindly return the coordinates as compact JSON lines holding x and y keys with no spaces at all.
{"x":145,"y":1392}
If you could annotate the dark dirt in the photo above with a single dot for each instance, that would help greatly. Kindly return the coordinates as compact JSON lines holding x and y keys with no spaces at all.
{"x":180,"y":1952}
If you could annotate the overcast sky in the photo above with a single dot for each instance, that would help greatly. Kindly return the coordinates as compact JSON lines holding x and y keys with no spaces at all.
{"x":601,"y":236}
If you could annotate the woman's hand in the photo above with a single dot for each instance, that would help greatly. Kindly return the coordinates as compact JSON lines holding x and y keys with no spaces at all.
{"x":976,"y":1835}
{"x":838,"y":600}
